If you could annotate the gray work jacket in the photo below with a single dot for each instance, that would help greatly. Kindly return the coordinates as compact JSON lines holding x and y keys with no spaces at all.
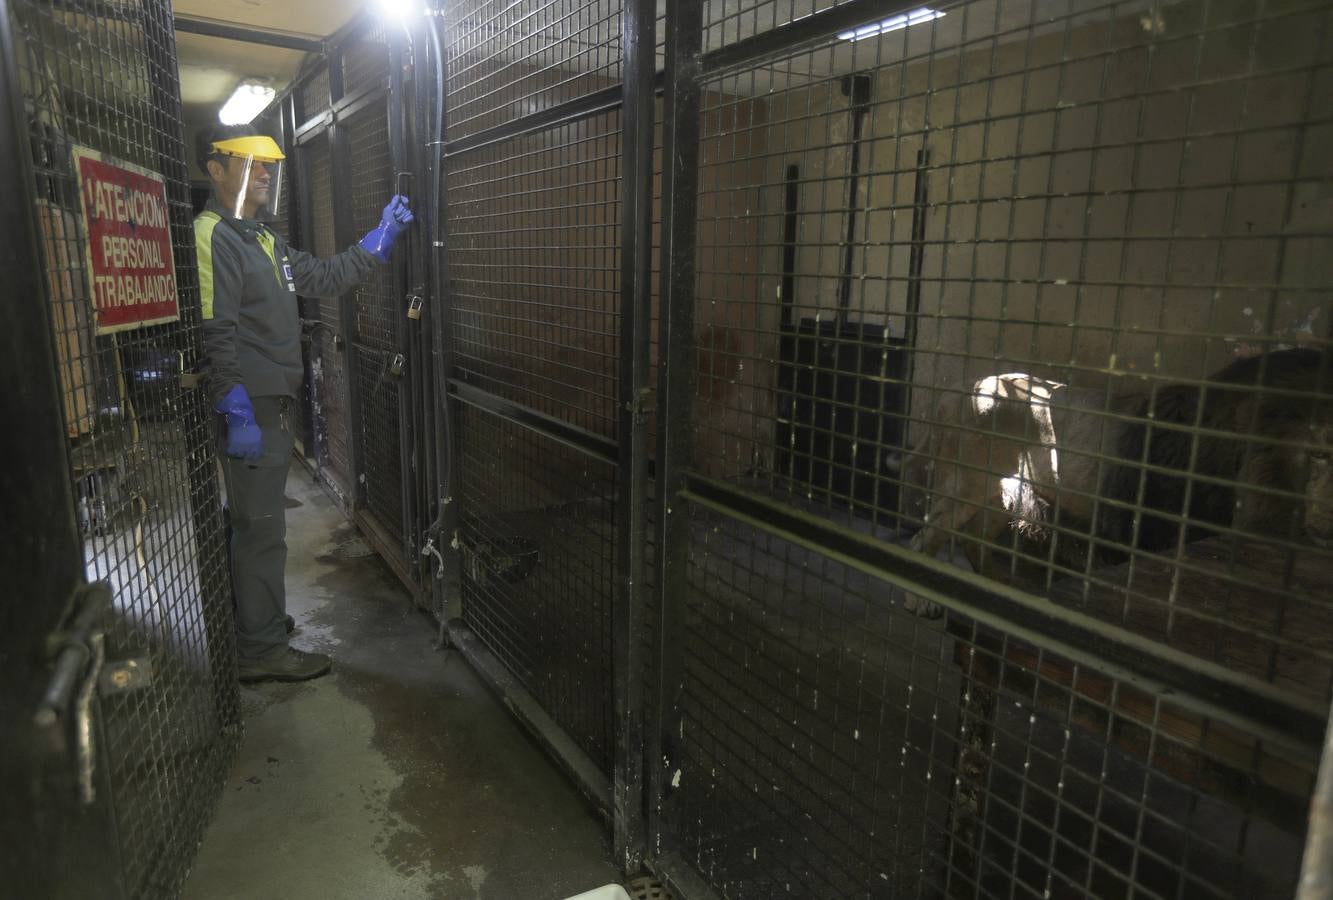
{"x":249,"y":278}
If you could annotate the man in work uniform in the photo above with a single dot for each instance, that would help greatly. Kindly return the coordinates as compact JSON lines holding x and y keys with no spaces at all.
{"x":249,"y":279}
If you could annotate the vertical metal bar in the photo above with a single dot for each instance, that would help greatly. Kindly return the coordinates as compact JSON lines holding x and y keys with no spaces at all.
{"x":857,"y":89}
{"x":297,"y":230}
{"x":915,"y":263}
{"x":344,"y":230}
{"x":447,"y":441}
{"x":790,"y":222}
{"x":638,"y":39}
{"x":404,"y":276}
{"x":310,"y":310}
{"x":676,"y":376}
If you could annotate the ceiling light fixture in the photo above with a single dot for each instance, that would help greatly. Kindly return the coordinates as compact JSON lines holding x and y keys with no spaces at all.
{"x":893,"y":23}
{"x":401,"y":10}
{"x":248,"y":100}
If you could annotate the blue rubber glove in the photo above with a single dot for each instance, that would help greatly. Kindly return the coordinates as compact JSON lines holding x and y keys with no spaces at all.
{"x":379,"y":240}
{"x":243,"y":438}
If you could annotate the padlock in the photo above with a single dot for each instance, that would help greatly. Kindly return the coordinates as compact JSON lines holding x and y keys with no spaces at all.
{"x":397,"y":364}
{"x":414,"y":304}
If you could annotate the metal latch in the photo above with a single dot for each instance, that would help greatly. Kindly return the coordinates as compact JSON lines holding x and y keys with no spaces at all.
{"x":78,"y":653}
{"x":641,"y":406}
{"x":188,"y":380}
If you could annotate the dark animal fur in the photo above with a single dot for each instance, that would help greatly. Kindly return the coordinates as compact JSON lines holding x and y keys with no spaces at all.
{"x":1170,"y":435}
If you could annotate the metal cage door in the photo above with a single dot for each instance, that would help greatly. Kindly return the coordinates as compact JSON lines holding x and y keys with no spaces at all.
{"x":122,"y":696}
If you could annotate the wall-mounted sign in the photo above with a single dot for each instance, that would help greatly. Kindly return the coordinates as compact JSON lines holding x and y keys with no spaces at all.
{"x":131,"y":272}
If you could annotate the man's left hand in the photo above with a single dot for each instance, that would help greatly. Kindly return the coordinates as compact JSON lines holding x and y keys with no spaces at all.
{"x":397,"y":216}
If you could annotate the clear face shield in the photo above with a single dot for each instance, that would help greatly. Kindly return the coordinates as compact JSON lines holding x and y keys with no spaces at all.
{"x":254,"y":169}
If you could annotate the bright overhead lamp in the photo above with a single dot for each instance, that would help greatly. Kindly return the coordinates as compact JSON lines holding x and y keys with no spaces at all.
{"x":400,"y":10}
{"x":893,"y":23}
{"x":248,"y":100}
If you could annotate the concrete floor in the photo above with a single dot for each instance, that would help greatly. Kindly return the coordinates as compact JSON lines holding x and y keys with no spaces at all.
{"x":397,"y":776}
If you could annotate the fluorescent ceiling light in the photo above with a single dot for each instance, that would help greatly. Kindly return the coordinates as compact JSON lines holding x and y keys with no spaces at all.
{"x":893,"y":23}
{"x":248,"y":101}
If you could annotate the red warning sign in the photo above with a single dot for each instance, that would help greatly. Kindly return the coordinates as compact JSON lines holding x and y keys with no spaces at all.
{"x":131,"y":272}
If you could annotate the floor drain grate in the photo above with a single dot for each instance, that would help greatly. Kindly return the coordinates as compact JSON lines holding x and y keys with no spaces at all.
{"x":647,"y":889}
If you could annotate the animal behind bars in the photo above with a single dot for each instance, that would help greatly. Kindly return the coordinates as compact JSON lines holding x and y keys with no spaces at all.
{"x":1104,"y":472}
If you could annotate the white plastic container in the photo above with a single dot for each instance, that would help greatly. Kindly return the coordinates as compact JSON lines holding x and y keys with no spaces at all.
{"x":608,"y":892}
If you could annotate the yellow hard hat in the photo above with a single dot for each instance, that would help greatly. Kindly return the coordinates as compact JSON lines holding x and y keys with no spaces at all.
{"x":257,"y":146}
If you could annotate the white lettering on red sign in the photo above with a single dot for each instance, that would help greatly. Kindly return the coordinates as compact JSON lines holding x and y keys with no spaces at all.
{"x":131,"y":269}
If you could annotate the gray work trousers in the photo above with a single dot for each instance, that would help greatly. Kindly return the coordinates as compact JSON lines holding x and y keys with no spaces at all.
{"x":257,"y":510}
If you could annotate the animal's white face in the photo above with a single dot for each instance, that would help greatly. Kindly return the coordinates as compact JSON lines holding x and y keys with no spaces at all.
{"x":1319,"y":486}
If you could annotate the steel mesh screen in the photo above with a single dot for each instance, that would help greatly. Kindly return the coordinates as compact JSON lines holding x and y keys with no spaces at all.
{"x":509,"y":60}
{"x":728,"y":22}
{"x":1037,"y":290}
{"x":329,"y":376}
{"x":534,"y":237}
{"x":538,"y":549}
{"x":314,"y":94}
{"x":377,"y":309}
{"x":831,"y":745}
{"x":143,"y":469}
{"x":1017,"y":257}
{"x":366,"y":62}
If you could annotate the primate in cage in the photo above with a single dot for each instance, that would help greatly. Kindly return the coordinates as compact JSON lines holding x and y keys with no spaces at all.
{"x":1100,"y":473}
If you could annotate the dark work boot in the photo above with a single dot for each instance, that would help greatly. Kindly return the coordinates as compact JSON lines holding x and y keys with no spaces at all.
{"x":292,"y":665}
{"x":291,"y":624}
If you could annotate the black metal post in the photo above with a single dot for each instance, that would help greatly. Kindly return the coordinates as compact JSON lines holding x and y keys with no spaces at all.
{"x":344,"y":229}
{"x":790,"y":221}
{"x":639,"y":42}
{"x":447,"y":440}
{"x":915,"y":263}
{"x":676,"y":377}
{"x":857,"y":89}
{"x":405,"y":275}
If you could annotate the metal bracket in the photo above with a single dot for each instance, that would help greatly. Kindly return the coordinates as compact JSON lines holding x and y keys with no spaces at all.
{"x":125,"y":675}
{"x":641,"y":406}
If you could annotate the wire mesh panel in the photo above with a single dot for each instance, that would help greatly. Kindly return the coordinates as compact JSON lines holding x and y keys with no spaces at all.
{"x":832,"y":745}
{"x":366,"y":62}
{"x":538,"y":549}
{"x":314,"y":94}
{"x":510,"y":60}
{"x":329,"y":375}
{"x":1031,"y":297}
{"x":103,"y":80}
{"x":534,"y":238}
{"x":377,"y":311}
{"x":534,"y":257}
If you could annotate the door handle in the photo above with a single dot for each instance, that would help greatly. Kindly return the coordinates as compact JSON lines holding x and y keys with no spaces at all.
{"x":79,"y":653}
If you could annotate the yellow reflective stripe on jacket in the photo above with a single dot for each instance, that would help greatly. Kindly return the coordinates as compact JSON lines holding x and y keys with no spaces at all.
{"x":266,"y":241}
{"x":204,"y":223}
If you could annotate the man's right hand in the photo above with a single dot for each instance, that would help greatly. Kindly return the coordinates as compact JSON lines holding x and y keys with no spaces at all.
{"x":243,"y":438}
